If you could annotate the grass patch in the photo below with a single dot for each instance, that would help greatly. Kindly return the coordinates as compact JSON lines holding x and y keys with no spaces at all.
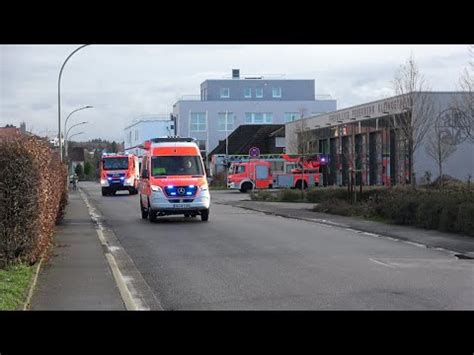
{"x":14,"y":283}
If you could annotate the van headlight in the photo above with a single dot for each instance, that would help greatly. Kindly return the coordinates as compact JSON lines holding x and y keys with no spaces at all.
{"x":156,"y":188}
{"x":128,"y":181}
{"x":204,"y":187}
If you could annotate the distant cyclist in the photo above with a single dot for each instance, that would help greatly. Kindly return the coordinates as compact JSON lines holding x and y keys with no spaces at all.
{"x":75,"y":179}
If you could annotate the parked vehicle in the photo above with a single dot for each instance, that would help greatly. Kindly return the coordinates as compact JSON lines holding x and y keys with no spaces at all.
{"x":257,"y":174}
{"x":119,"y":172}
{"x":173,"y":179}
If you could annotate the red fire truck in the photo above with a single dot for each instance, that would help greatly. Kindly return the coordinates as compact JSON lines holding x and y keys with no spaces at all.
{"x":257,"y":174}
{"x":119,"y":171}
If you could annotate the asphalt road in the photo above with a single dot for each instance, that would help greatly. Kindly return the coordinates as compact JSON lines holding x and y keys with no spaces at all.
{"x":245,"y":260}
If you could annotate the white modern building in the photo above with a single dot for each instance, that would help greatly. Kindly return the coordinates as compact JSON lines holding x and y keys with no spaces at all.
{"x":225,"y":104}
{"x":147,"y":127}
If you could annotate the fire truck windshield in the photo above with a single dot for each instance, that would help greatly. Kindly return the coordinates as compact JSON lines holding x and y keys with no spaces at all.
{"x":115,"y":163}
{"x":176,"y":165}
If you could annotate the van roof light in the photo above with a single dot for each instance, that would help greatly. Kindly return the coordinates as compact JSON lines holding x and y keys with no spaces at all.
{"x":172,"y":139}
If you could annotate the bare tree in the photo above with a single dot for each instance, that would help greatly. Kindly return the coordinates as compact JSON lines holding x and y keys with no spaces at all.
{"x":465,"y":104}
{"x":302,"y":143}
{"x":412,"y":123}
{"x":439,"y":147}
{"x":352,"y":153}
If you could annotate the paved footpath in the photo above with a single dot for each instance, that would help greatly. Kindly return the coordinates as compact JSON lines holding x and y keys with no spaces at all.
{"x":77,"y":276}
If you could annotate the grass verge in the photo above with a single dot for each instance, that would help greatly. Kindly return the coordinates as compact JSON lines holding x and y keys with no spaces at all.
{"x":14,"y":284}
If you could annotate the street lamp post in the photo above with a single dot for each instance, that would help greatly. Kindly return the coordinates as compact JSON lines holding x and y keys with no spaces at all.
{"x":65,"y":124}
{"x":76,"y":134}
{"x":59,"y":100}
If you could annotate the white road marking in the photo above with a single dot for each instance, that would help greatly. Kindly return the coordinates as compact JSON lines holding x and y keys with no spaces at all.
{"x":381,"y":263}
{"x":416,"y":244}
{"x":123,"y":283}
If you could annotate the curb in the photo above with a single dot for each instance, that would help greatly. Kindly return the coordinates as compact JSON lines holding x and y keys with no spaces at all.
{"x":27,"y":304}
{"x":457,"y":253}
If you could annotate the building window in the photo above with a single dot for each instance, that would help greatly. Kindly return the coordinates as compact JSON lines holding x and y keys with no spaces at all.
{"x":198,"y":122}
{"x":222,"y":120}
{"x":259,"y":93}
{"x":276,"y":92}
{"x":225,"y":93}
{"x":258,"y":117}
{"x":248,"y":93}
{"x":291,"y":116}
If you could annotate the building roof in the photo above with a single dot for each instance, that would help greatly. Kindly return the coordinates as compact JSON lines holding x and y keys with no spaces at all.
{"x":252,"y":135}
{"x":9,"y":131}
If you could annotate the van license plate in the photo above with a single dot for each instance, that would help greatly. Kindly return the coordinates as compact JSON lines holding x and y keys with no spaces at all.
{"x":180,"y":205}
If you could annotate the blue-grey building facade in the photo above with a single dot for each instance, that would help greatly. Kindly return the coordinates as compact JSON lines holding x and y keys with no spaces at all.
{"x":225,"y":104}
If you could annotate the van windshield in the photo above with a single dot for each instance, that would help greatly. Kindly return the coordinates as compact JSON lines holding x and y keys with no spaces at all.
{"x":115,"y":163}
{"x":176,"y":165}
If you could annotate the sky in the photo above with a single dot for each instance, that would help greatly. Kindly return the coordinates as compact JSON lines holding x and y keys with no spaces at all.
{"x":123,"y":82}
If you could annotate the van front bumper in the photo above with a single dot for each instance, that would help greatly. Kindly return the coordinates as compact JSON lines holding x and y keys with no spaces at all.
{"x":159,"y":202}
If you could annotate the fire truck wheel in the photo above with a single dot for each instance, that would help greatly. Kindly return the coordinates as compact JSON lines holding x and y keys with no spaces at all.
{"x":205,"y":215}
{"x":246,"y":186}
{"x":143,"y":210}
{"x":298,"y":185}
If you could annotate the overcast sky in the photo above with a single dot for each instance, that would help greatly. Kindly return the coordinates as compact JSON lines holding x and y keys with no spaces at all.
{"x":123,"y":82}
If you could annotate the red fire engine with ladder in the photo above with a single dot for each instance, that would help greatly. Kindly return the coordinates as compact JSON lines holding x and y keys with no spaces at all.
{"x":249,"y":174}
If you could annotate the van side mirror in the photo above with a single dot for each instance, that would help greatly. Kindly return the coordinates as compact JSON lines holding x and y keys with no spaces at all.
{"x":145,"y":174}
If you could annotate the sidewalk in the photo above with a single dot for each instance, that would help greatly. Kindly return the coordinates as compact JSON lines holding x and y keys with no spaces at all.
{"x":433,"y":239}
{"x":77,"y":276}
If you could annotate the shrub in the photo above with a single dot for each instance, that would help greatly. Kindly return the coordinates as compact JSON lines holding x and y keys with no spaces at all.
{"x":262,"y":195}
{"x":428,"y":213}
{"x":339,"y":207}
{"x":289,"y":195}
{"x":32,"y":197}
{"x":465,"y":218}
{"x":316,"y":195}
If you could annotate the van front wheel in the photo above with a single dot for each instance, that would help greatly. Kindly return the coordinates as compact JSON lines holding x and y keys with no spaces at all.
{"x":152,"y":215}
{"x":205,"y":215}
{"x":143,"y":210}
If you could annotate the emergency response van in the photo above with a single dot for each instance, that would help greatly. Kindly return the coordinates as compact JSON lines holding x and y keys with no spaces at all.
{"x":119,"y":172}
{"x":173,"y":179}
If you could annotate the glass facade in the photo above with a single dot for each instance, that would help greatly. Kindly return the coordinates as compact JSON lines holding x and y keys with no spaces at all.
{"x":258,"y":117}
{"x":198,"y":122}
{"x":222,"y":121}
{"x":373,"y":148}
{"x":276,"y":92}
{"x":225,"y":93}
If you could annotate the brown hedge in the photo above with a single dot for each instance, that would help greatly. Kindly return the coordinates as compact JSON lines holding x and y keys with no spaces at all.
{"x":33,"y":196}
